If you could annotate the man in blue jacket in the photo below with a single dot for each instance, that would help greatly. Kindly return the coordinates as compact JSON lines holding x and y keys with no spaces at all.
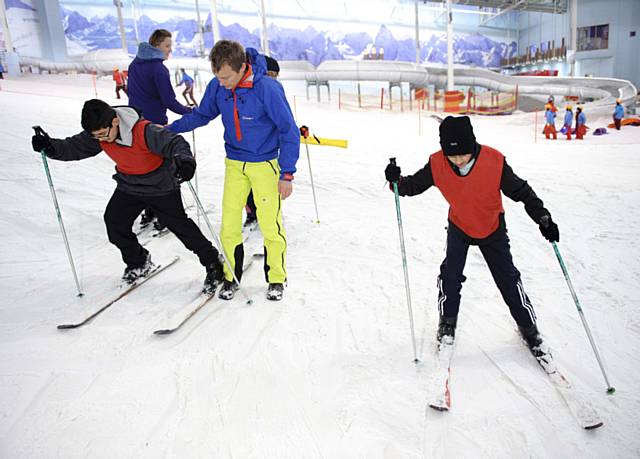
{"x":262,"y":143}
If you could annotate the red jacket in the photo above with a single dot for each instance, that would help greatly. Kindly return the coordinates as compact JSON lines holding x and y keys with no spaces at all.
{"x":118,"y":77}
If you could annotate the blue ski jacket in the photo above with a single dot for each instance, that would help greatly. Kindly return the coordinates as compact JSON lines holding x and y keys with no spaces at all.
{"x":581,"y":119}
{"x":186,"y":80}
{"x":550,"y":116}
{"x":568,"y":118}
{"x":257,"y":119}
{"x":150,"y":88}
{"x":619,"y":112}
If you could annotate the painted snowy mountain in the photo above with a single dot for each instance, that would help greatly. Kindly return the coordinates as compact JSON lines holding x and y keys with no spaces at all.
{"x":18,"y":4}
{"x":308,"y":44}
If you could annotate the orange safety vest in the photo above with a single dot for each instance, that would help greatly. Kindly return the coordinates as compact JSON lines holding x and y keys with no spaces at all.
{"x":475,"y":201}
{"x":136,"y":159}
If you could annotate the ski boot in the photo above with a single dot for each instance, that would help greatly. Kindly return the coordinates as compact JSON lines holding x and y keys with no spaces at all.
{"x":446,"y":330}
{"x":147,"y":218}
{"x":215,"y":276}
{"x":133,"y":273}
{"x":251,"y":221}
{"x":159,"y":226}
{"x":275,"y":291}
{"x":537,"y":346}
{"x":228,"y":290}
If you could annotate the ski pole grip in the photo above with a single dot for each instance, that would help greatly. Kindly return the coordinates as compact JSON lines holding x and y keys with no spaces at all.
{"x":304,"y":131}
{"x":38,"y":130}
{"x":392,"y":161}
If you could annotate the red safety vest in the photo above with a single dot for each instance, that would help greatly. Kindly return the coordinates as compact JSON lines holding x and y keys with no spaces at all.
{"x":136,"y":159}
{"x":475,"y":201}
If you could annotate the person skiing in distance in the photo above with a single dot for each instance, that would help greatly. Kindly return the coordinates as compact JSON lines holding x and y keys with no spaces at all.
{"x":471,"y":177}
{"x":150,"y":164}
{"x":581,"y":124}
{"x":568,"y":121}
{"x":118,"y":78}
{"x":188,"y":88}
{"x":262,"y":143}
{"x":550,"y":126}
{"x":273,"y":70}
{"x":618,"y":114}
{"x":151,"y":91}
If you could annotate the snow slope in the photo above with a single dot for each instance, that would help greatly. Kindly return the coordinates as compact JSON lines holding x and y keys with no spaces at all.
{"x":328,"y":371}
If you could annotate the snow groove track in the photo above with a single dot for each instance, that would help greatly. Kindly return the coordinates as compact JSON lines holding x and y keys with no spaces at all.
{"x":328,"y":371}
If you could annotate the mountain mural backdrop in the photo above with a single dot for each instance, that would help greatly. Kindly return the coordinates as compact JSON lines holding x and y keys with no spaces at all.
{"x":308,"y":44}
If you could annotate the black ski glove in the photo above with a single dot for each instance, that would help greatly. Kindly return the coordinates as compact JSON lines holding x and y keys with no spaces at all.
{"x":549,"y":229}
{"x":392,"y":173}
{"x":185,"y":169}
{"x":42,"y":142}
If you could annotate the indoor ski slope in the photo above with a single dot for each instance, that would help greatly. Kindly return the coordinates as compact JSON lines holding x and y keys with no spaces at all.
{"x":328,"y":371}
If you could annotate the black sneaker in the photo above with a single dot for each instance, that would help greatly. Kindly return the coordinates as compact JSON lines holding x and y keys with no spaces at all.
{"x":275,"y":291}
{"x":133,"y":273}
{"x":215,"y":276}
{"x":228,"y":290}
{"x":447,"y":330}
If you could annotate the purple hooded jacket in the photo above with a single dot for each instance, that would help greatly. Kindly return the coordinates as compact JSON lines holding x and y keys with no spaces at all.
{"x":150,"y":88}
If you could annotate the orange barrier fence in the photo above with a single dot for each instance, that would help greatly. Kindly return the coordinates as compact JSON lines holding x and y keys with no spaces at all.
{"x":461,"y":102}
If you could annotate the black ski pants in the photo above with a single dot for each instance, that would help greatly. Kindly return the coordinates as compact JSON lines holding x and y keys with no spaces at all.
{"x":122,"y":210}
{"x":497,"y":254}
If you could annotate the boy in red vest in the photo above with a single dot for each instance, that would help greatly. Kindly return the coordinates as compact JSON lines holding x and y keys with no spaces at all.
{"x":471,"y":177}
{"x":150,"y":164}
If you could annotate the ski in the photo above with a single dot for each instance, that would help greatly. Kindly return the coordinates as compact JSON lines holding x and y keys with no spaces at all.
{"x":206,"y":297}
{"x":439,"y":396}
{"x":581,"y":409}
{"x":129,"y":289}
{"x":200,"y":305}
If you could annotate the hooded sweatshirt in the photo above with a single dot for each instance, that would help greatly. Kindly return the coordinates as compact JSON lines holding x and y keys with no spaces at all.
{"x":150,"y":88}
{"x":257,"y":119}
{"x":145,"y":150}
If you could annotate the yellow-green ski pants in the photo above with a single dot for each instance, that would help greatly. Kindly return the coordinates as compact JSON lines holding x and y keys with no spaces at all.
{"x":241,"y":177}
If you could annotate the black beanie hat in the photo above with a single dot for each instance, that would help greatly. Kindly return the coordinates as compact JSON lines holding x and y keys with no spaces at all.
{"x":272,"y":64}
{"x":456,"y":136}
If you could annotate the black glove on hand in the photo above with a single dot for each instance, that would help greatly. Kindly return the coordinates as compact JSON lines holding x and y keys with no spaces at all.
{"x":185,"y":169}
{"x":549,"y":229}
{"x":392,"y":173}
{"x":42,"y":142}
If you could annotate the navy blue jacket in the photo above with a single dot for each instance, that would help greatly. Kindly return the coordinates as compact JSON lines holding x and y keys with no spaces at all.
{"x":150,"y":88}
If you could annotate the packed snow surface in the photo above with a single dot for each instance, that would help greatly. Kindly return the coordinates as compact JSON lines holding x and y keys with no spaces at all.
{"x":328,"y":371}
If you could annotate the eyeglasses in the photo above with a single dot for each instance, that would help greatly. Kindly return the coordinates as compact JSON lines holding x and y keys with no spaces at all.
{"x":102,"y":136}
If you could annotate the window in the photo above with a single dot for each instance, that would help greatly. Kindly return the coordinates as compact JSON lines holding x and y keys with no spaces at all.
{"x":593,"y":37}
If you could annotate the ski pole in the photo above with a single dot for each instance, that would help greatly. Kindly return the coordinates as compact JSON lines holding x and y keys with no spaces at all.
{"x":195,"y":175}
{"x":404,"y":265}
{"x":216,"y":239}
{"x":39,"y":130}
{"x":304,"y":132}
{"x":610,"y":388}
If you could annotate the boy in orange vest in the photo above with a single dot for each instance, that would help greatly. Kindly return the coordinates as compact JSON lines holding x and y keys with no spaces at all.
{"x":151,"y":162}
{"x":472,"y":178}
